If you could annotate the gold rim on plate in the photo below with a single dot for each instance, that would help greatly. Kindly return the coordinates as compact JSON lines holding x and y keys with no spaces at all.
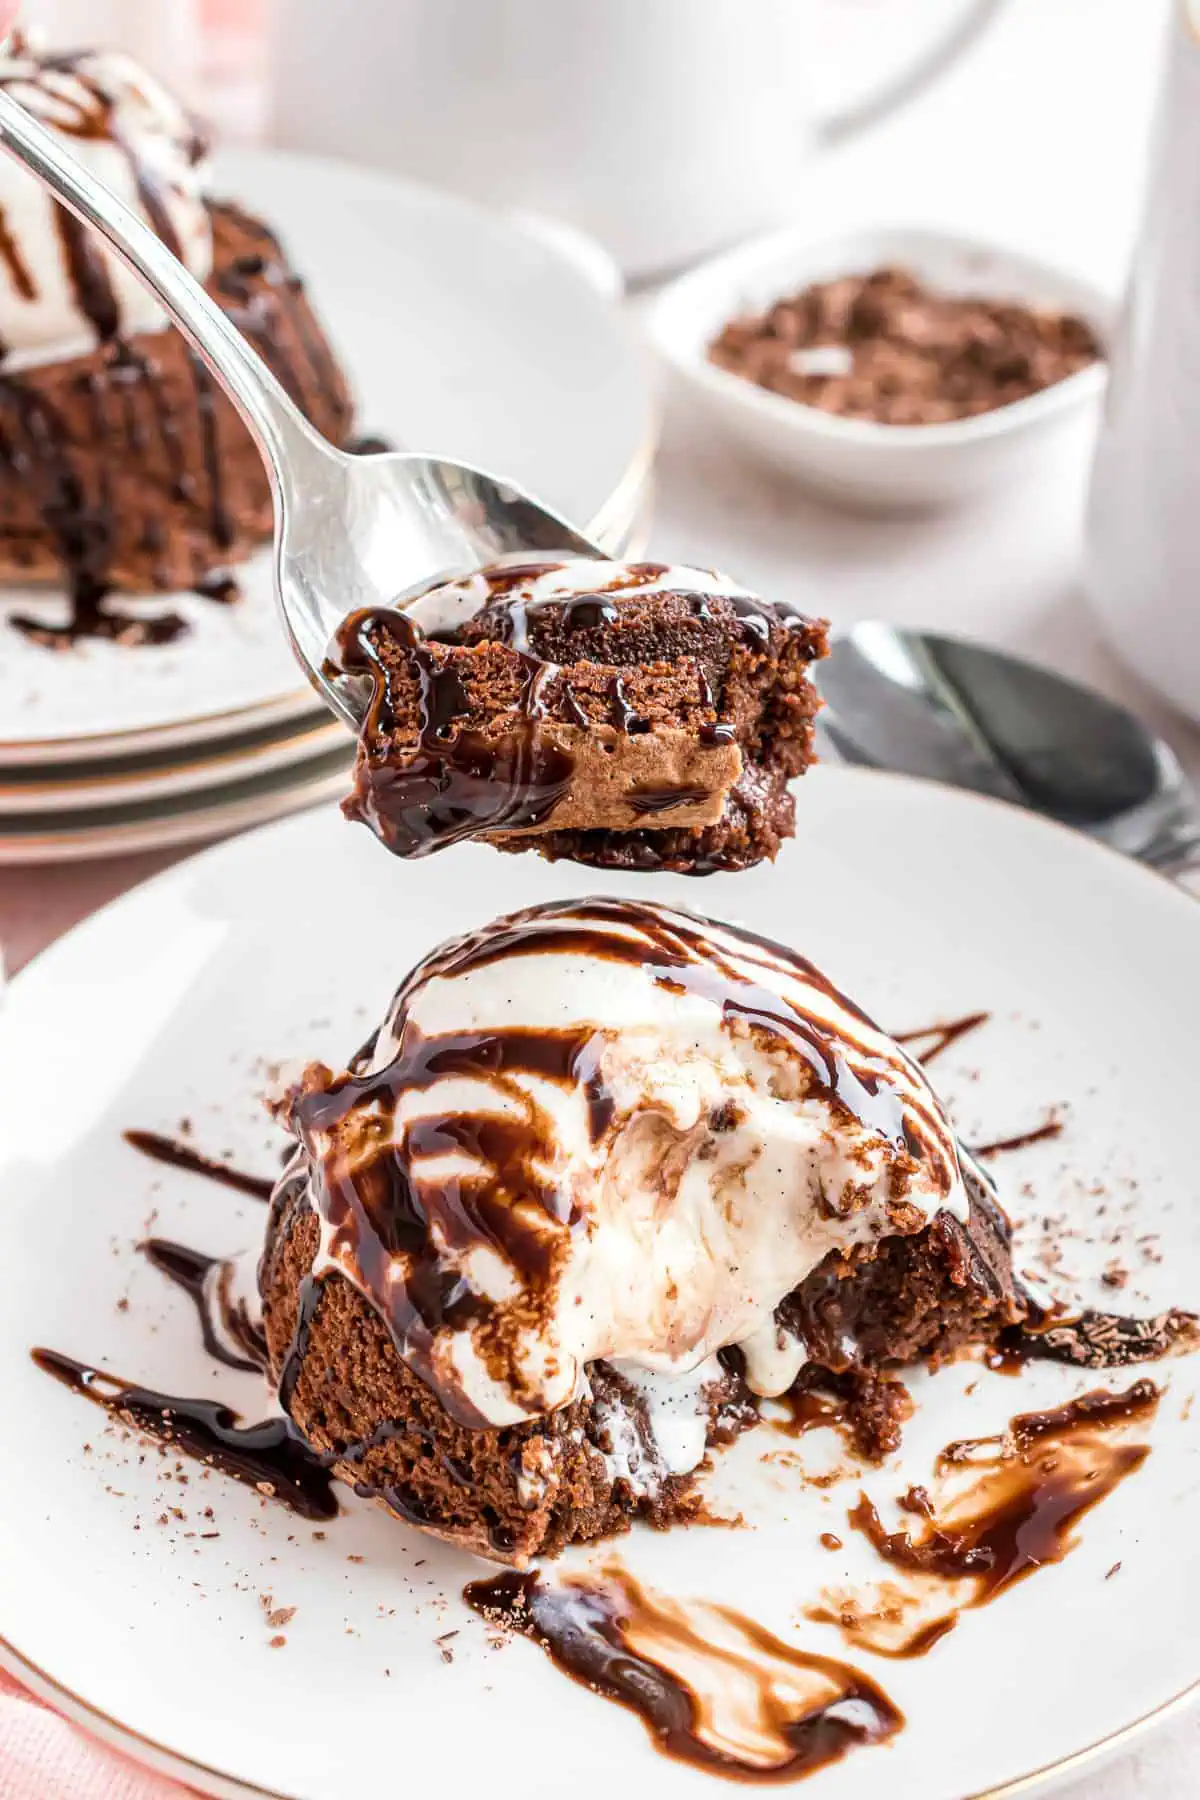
{"x":149,"y":1752}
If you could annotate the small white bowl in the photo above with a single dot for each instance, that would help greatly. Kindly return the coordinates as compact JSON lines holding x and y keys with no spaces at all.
{"x":853,"y":460}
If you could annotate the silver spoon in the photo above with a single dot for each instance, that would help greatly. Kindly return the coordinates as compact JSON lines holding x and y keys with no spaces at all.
{"x":350,"y":531}
{"x":957,"y":712}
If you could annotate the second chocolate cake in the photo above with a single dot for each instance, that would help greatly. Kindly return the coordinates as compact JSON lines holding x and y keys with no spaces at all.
{"x":627,"y":715}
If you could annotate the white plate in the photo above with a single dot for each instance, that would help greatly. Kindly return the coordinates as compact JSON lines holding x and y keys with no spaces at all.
{"x":160,"y":821}
{"x":461,"y":333}
{"x":925,"y":903}
{"x":121,"y":781}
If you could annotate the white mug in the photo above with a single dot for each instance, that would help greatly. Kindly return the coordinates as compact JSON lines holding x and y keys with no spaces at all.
{"x":661,"y":127}
{"x":1144,"y":517}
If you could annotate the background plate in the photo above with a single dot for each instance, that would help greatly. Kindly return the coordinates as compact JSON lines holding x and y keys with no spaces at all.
{"x":101,"y":782}
{"x":462,"y":334}
{"x":925,"y":903}
{"x":188,"y":818}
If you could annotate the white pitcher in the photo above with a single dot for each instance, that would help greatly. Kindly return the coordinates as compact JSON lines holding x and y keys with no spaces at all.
{"x":1144,"y":518}
{"x":662,"y":127}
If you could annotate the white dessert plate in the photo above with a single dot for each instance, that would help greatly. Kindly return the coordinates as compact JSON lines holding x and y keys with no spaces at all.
{"x":232,"y":801}
{"x":121,"y":780}
{"x":118,"y":1605}
{"x":461,"y":332}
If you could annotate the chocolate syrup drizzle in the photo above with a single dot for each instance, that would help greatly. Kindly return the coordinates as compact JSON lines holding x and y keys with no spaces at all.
{"x":453,"y":784}
{"x":458,"y":781}
{"x":942,"y":1036}
{"x":178,"y":1155}
{"x":1039,"y":1134}
{"x":39,"y":451}
{"x":270,"y":1456}
{"x":196,"y":1274}
{"x":14,"y":261}
{"x":364,"y":1163}
{"x":1036,"y":1481}
{"x":591,"y":1629}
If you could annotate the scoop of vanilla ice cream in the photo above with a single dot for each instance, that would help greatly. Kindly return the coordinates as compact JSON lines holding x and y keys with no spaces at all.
{"x":60,"y":285}
{"x":612,"y":1130}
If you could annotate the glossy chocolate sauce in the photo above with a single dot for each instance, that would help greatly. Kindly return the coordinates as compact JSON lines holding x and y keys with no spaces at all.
{"x":800,"y":1712}
{"x":377,"y":1208}
{"x":1040,"y":1134}
{"x":179,"y":1155}
{"x":459,"y":780}
{"x":932,"y":1040}
{"x":1032,"y":1485}
{"x":452,"y":784}
{"x":199,"y":1277}
{"x":677,"y":951}
{"x":270,"y":1457}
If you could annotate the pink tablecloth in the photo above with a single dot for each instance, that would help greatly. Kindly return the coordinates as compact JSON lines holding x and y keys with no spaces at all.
{"x":42,"y":1757}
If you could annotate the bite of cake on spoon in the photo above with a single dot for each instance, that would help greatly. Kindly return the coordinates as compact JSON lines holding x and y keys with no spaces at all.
{"x":627,"y":715}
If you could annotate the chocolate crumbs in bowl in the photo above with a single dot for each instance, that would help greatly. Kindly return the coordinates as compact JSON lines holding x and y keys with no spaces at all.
{"x":887,"y":349}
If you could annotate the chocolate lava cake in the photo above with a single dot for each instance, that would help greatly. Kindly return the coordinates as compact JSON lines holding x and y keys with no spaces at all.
{"x":124,"y":467}
{"x":630,"y":716}
{"x":128,"y":469}
{"x":449,"y":1394}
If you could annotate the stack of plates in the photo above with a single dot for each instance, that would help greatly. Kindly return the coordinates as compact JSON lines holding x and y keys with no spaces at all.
{"x":461,"y":331}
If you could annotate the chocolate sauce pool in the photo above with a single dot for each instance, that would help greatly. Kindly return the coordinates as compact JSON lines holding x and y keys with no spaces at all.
{"x":1033,"y":1485}
{"x":804,"y":1711}
{"x":270,"y":1456}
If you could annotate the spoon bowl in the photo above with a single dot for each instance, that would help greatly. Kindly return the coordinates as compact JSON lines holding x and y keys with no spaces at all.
{"x":350,"y":531}
{"x":958,"y":712}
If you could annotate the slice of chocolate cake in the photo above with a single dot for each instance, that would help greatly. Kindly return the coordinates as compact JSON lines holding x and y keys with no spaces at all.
{"x":607,"y":1175}
{"x":630,"y":716}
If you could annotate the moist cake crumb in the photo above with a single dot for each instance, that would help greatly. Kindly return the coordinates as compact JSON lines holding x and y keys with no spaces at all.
{"x":630,"y":716}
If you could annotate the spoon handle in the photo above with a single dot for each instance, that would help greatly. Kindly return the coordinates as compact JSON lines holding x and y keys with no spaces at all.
{"x":274,"y":422}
